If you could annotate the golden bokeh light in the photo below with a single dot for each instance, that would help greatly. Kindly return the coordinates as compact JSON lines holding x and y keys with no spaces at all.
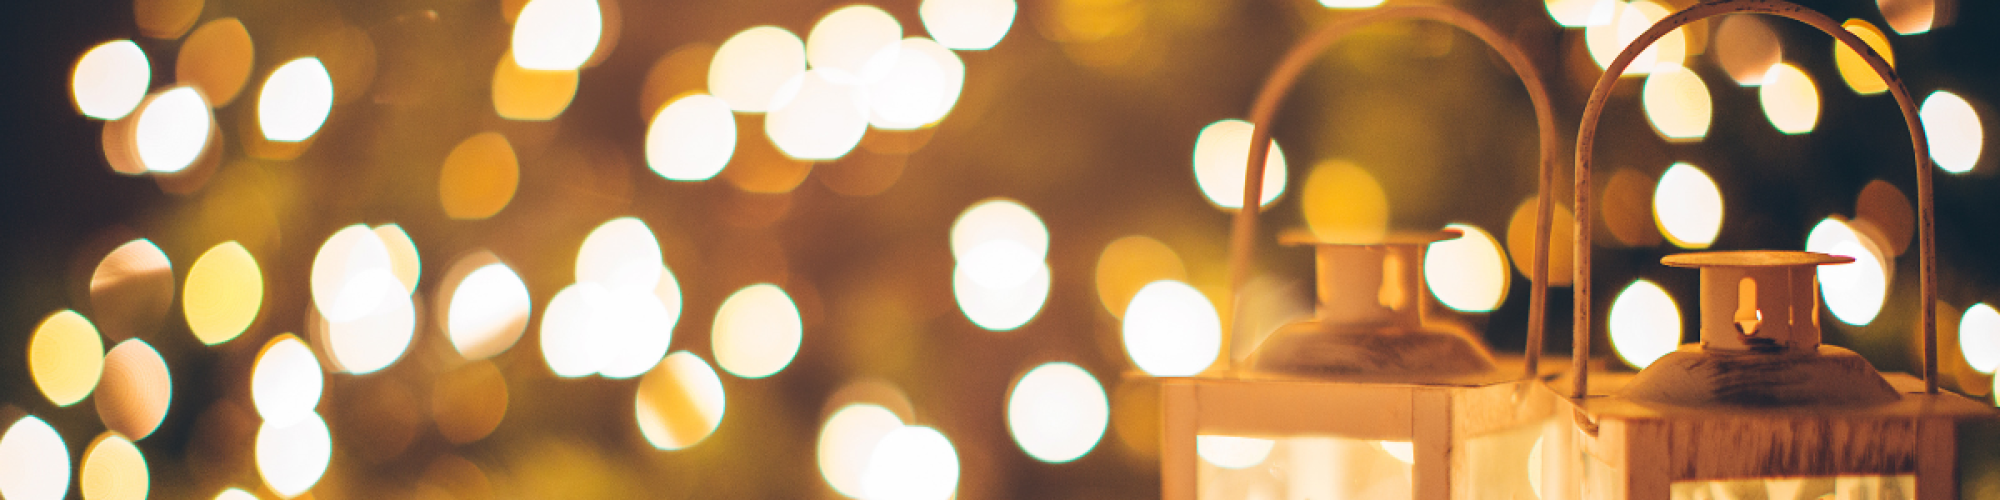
{"x":1954,"y":130}
{"x":136,"y":390}
{"x":378,"y":337}
{"x":1910,"y":17}
{"x":574,"y":342}
{"x":1581,"y":13}
{"x":1627,"y":21}
{"x":999,"y":219}
{"x":753,"y":64}
{"x":1232,"y":452}
{"x":296,"y":100}
{"x":679,"y":73}
{"x":113,"y":469}
{"x":557,"y":35}
{"x":1627,"y":210}
{"x":132,"y":290}
{"x":1057,"y":412}
{"x":1344,"y":204}
{"x":488,"y":312}
{"x":844,"y":45}
{"x":235,"y":494}
{"x":918,"y":89}
{"x":1746,"y":47}
{"x":469,"y":401}
{"x":1129,"y":263}
{"x":216,"y":59}
{"x":1468,"y":273}
{"x":641,"y":329}
{"x":847,"y":440}
{"x":757,"y":331}
{"x":812,"y":117}
{"x":1221,"y":152}
{"x":223,"y":293}
{"x":346,"y":271}
{"x":1645,"y":324}
{"x":1853,"y":292}
{"x":1790,"y":99}
{"x":1687,"y":207}
{"x":999,"y":288}
{"x":165,"y":19}
{"x":479,"y":177}
{"x":1857,"y":73}
{"x":286,"y":381}
{"x":911,"y":463}
{"x":967,"y":24}
{"x":34,"y":462}
{"x":65,"y":357}
{"x":531,"y":95}
{"x":1886,"y":216}
{"x":1979,"y":337}
{"x":691,"y":139}
{"x":1521,"y":241}
{"x":1677,"y":104}
{"x":1171,"y":330}
{"x":291,"y":457}
{"x":621,"y":253}
{"x":404,"y":260}
{"x":173,"y":130}
{"x":680,"y":402}
{"x":110,"y":80}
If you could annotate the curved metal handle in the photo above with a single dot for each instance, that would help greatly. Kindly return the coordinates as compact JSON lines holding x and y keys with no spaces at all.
{"x":1244,"y":229}
{"x":1587,"y":133}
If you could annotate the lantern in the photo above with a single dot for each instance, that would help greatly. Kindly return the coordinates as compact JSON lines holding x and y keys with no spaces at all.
{"x":1759,"y":408}
{"x":1370,"y":398}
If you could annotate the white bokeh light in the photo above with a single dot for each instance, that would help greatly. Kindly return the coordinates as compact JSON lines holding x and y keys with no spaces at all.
{"x":620,"y":254}
{"x":691,"y":139}
{"x":1221,"y":152}
{"x":1687,"y":206}
{"x":34,"y":462}
{"x":378,"y":337}
{"x":1979,"y":337}
{"x":911,"y":463}
{"x":757,"y":331}
{"x":343,"y":270}
{"x":812,"y":117}
{"x":1171,"y":330}
{"x":1954,"y":131}
{"x":111,"y":79}
{"x":286,"y":381}
{"x":968,"y":24}
{"x":1468,"y":273}
{"x":1790,"y":99}
{"x":1057,"y":412}
{"x":919,"y":89}
{"x":173,"y":129}
{"x":1854,"y":292}
{"x":575,"y":337}
{"x":291,"y":457}
{"x":489,"y":311}
{"x":557,"y":35}
{"x":1623,"y":23}
{"x":843,"y":45}
{"x":751,"y":65}
{"x":999,"y":219}
{"x":1645,"y":324}
{"x":296,"y":100}
{"x":1000,"y":286}
{"x":846,"y":442}
{"x":1231,"y":452}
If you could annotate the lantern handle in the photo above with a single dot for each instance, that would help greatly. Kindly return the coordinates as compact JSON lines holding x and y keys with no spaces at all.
{"x":1585,"y":147}
{"x":1243,"y":231}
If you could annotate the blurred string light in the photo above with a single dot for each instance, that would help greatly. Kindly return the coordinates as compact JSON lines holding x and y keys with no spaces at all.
{"x":556,"y":35}
{"x":296,"y":100}
{"x":967,"y":24}
{"x":1854,"y":292}
{"x":479,"y":177}
{"x":1221,"y":152}
{"x":911,"y":463}
{"x":844,"y":46}
{"x":1954,"y":130}
{"x":113,"y":469}
{"x":65,"y":357}
{"x":1746,"y":47}
{"x":1002,"y":277}
{"x":489,"y":310}
{"x":757,"y":331}
{"x":618,"y":319}
{"x":1343,"y":203}
{"x":847,"y":440}
{"x":1645,"y":324}
{"x":919,"y":89}
{"x":136,"y":390}
{"x":1581,"y":13}
{"x":1687,"y":207}
{"x":1627,"y":21}
{"x":573,"y":335}
{"x":1677,"y":103}
{"x":751,"y":65}
{"x":531,"y":95}
{"x":110,"y":80}
{"x":366,"y":304}
{"x":1057,"y":412}
{"x":1979,"y":337}
{"x":1468,"y":273}
{"x":680,"y":402}
{"x":216,"y":59}
{"x":1171,"y":330}
{"x":222,"y":294}
{"x":1232,"y":452}
{"x":34,"y":462}
{"x":286,"y":381}
{"x":814,"y":117}
{"x":173,"y":130}
{"x":691,"y":139}
{"x":1856,"y":72}
{"x":1129,"y":263}
{"x":1790,"y":99}
{"x":291,"y":457}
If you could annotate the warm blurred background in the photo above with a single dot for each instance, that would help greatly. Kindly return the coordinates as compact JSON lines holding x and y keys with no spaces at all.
{"x":367,"y":252}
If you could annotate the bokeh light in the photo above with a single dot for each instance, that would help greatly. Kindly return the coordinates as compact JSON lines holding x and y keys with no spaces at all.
{"x":757,"y":331}
{"x":1910,"y":17}
{"x":404,"y":261}
{"x":1627,"y":208}
{"x":1344,"y":204}
{"x":1885,"y":215}
{"x":1857,"y":73}
{"x":814,"y":118}
{"x":641,"y":330}
{"x":1057,"y":412}
{"x":173,"y":130}
{"x":1687,"y":206}
{"x":136,"y":390}
{"x":621,"y":254}
{"x":1979,"y":337}
{"x":1645,"y":324}
{"x":479,"y":177}
{"x":749,"y":68}
{"x":223,"y":293}
{"x":911,"y":463}
{"x":113,"y":469}
{"x":1402,"y":451}
{"x":691,"y":139}
{"x":1954,"y":130}
{"x":1628,"y":21}
{"x":1746,"y":47}
{"x":967,"y":24}
{"x":286,"y":381}
{"x":843,"y":45}
{"x":110,"y":80}
{"x":846,"y":442}
{"x":1521,"y":241}
{"x":65,"y":357}
{"x":132,"y":290}
{"x":1221,"y":152}
{"x":469,"y":401}
{"x":291,"y":457}
{"x":1468,"y":273}
{"x":378,"y":337}
{"x":531,"y":95}
{"x":1349,"y":4}
{"x":556,"y":35}
{"x":999,"y":219}
{"x":1581,"y":13}
{"x":1172,"y":330}
{"x":919,"y":89}
{"x":1854,"y":292}
{"x":1677,"y":103}
{"x":1232,"y":452}
{"x":1130,"y":263}
{"x":34,"y":462}
{"x":489,"y":310}
{"x":574,"y":340}
{"x":999,"y":286}
{"x":235,"y":494}
{"x":296,"y":100}
{"x":216,"y":59}
{"x":1790,"y":99}
{"x":680,"y":402}
{"x":347,"y":271}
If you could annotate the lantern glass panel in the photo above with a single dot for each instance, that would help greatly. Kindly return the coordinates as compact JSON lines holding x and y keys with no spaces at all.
{"x":1300,"y":467}
{"x":1854,"y":487}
